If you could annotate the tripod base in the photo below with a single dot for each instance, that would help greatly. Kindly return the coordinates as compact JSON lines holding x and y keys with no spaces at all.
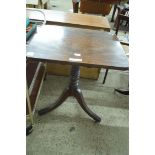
{"x":72,"y":90}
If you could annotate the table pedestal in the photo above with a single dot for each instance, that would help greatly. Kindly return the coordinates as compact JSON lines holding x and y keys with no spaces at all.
{"x":72,"y":90}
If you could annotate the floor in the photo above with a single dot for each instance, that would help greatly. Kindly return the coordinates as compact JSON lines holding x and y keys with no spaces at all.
{"x":70,"y":131}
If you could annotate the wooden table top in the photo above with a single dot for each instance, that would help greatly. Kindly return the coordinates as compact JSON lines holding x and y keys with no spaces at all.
{"x":71,"y":19}
{"x":84,"y":47}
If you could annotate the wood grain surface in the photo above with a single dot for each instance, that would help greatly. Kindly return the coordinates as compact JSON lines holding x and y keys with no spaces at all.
{"x":71,"y":19}
{"x":84,"y":47}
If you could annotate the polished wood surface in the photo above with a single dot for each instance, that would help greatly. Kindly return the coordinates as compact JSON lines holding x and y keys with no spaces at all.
{"x":71,"y":19}
{"x":84,"y":47}
{"x":78,"y":47}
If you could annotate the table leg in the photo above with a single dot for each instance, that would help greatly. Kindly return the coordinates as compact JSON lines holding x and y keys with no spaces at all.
{"x":45,"y":6}
{"x":122,"y":91}
{"x":78,"y":95}
{"x":58,"y":102}
{"x":113,"y":14}
{"x":105,"y":76}
{"x":75,"y":7}
{"x":72,"y":90}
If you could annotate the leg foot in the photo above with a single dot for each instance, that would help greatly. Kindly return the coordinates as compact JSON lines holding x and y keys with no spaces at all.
{"x":29,"y":129}
{"x":78,"y":95}
{"x":121,"y":91}
{"x":72,"y":90}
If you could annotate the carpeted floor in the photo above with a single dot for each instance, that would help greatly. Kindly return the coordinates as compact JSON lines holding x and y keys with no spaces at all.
{"x":68,"y":130}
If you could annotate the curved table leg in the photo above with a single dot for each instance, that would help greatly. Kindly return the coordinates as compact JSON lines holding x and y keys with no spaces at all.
{"x":78,"y":95}
{"x":58,"y":102}
{"x":72,"y":90}
{"x":29,"y":129}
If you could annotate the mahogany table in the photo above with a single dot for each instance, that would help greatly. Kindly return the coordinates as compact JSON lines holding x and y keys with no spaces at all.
{"x":78,"y":47}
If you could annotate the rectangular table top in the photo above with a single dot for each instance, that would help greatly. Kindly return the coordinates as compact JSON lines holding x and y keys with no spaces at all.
{"x":91,"y":48}
{"x":71,"y":19}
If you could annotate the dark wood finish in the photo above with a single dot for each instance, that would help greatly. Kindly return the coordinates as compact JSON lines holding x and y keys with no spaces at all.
{"x":119,"y":18}
{"x":78,"y":47}
{"x":71,"y":19}
{"x":59,"y":44}
{"x":76,"y":4}
{"x":75,"y":7}
{"x":30,"y":72}
{"x":113,"y":13}
{"x":72,"y":90}
{"x":111,"y":1}
{"x":122,"y":15}
{"x":105,"y":76}
{"x":122,"y":91}
{"x":29,"y":129}
{"x":95,"y":7}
